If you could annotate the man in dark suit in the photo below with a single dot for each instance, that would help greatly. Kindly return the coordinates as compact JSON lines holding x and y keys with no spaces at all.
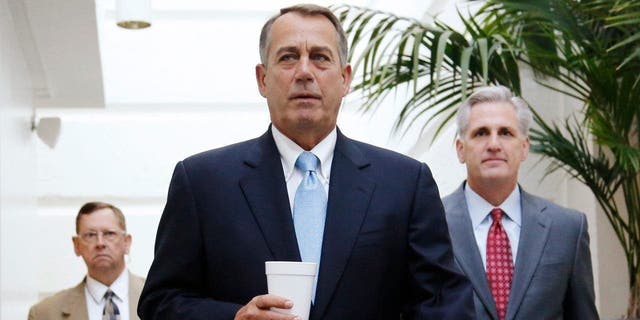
{"x":526,"y":257}
{"x":385,"y":249}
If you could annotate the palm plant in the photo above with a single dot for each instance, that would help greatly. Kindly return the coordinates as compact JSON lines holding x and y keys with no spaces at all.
{"x":586,"y":49}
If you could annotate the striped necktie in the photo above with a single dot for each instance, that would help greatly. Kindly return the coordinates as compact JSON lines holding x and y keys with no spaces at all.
{"x":110,"y":311}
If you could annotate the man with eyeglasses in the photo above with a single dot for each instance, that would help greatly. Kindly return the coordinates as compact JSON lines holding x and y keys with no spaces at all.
{"x":108,"y":292}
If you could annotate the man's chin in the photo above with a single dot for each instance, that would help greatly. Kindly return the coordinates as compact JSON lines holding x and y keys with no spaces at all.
{"x":102,"y":261}
{"x":494,"y":164}
{"x":307,"y":102}
{"x":493,"y":170}
{"x":497,"y":175}
{"x":306,"y":122}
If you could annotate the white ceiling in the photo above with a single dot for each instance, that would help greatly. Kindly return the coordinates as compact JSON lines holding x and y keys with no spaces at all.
{"x":60,"y":42}
{"x":196,"y":51}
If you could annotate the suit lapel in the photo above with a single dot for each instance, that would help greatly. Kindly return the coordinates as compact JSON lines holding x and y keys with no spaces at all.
{"x":466,"y":249}
{"x":135,"y":289}
{"x":74,"y":307}
{"x":266,"y":192}
{"x":533,"y":237}
{"x":350,"y":191}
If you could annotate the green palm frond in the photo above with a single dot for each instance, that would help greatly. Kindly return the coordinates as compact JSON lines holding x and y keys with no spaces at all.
{"x":580,"y":159}
{"x":625,"y":18}
{"x":439,"y":65}
{"x":586,"y":49}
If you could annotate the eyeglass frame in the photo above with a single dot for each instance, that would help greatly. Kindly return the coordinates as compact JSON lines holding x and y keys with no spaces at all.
{"x":107,"y":235}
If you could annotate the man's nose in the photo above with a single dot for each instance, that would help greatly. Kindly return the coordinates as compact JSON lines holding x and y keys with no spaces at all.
{"x":303,"y":70}
{"x":100,"y":239}
{"x":494,"y":142}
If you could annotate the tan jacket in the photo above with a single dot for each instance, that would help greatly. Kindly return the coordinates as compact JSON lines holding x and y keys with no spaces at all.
{"x":70,"y":304}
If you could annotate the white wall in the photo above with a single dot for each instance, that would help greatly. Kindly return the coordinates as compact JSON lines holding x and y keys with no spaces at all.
{"x":125,"y":155}
{"x":18,"y":239}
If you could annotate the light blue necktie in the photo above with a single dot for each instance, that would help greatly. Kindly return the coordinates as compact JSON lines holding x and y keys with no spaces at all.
{"x":309,"y":210}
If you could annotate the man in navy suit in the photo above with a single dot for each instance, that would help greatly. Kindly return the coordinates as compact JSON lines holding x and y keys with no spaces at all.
{"x":385,"y":250}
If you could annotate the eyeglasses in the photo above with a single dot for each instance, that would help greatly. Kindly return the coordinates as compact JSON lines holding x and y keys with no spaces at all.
{"x":107,"y":235}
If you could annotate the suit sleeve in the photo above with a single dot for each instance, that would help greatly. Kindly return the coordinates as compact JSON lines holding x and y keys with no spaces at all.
{"x":437,"y":289}
{"x":32,"y":313}
{"x":579,"y":301}
{"x":175,"y":286}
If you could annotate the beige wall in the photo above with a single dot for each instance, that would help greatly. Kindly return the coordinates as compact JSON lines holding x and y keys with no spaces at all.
{"x":612,"y":269}
{"x":609,"y":265}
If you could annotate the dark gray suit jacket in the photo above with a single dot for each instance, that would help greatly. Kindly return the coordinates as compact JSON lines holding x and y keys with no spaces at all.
{"x":552,"y":278}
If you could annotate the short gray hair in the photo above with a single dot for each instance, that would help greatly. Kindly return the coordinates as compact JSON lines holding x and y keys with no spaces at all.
{"x":307,"y":10}
{"x":494,"y":94}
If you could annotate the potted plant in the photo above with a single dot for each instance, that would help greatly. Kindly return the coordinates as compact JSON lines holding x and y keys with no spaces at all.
{"x":591,"y":47}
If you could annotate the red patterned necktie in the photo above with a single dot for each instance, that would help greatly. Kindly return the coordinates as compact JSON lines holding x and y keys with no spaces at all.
{"x":499,"y":263}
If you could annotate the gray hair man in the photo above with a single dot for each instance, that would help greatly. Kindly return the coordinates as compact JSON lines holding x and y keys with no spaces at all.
{"x":526,"y":257}
{"x":371,"y":219}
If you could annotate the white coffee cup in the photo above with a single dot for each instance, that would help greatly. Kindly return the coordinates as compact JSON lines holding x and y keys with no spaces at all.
{"x":294,"y":281}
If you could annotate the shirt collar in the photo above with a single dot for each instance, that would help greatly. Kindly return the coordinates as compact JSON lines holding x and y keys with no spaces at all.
{"x":479,"y":208}
{"x":120,"y":287}
{"x":289,"y":152}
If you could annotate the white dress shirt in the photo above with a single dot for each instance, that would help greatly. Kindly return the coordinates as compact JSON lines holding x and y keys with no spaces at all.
{"x":480,"y":212}
{"x":289,"y":152}
{"x":94,"y":293}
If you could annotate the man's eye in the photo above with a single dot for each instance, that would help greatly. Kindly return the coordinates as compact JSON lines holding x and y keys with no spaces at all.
{"x":506,"y":132}
{"x":481,"y":133}
{"x":89,"y":236}
{"x":320,"y":57}
{"x":288,"y":57}
{"x":109,"y":234}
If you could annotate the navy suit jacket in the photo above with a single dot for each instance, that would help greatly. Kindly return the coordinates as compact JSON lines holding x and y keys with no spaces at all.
{"x":386,"y":249}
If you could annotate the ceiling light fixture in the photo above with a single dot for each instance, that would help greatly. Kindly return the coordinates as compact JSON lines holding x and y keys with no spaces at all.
{"x":133,"y":14}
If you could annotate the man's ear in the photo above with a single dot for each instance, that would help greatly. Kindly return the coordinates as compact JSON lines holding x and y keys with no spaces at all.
{"x":460,"y":150}
{"x":76,"y":245}
{"x":127,"y":243}
{"x":347,"y":76}
{"x":261,"y":73}
{"x":525,"y":148}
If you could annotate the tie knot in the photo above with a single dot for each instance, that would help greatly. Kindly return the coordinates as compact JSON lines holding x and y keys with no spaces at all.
{"x":496,"y":214}
{"x":307,"y":161}
{"x":109,"y":294}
